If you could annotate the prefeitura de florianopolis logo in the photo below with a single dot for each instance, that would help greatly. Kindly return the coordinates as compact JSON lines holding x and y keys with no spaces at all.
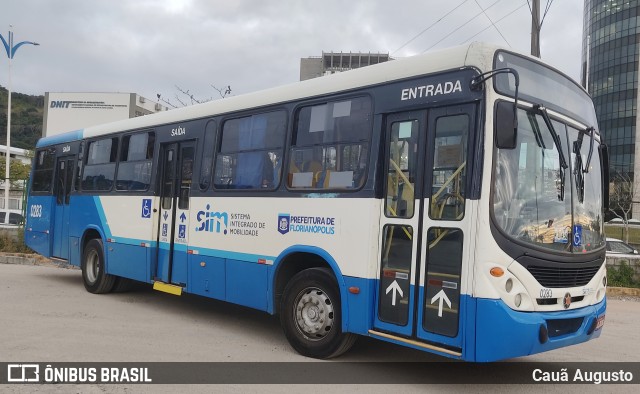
{"x":283,"y":223}
{"x":325,"y":225}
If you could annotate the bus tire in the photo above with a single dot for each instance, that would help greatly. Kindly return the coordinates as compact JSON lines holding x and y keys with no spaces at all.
{"x":311,"y":315}
{"x":95,"y":279}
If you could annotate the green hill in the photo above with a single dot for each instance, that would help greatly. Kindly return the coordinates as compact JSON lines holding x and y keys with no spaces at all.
{"x":26,"y":119}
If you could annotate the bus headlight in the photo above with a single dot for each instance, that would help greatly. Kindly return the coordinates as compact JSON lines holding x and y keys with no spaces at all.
{"x":602,"y":290}
{"x":509,"y":288}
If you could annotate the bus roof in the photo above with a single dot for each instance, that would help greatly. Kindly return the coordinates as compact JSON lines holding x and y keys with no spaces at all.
{"x":475,"y":54}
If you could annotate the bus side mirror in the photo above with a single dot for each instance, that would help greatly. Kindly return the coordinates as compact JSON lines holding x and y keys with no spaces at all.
{"x":506,"y":125}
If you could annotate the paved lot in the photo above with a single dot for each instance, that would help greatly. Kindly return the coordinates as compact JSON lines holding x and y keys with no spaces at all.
{"x":46,"y":315}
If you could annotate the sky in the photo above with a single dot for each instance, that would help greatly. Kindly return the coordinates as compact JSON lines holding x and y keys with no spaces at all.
{"x":151,"y":46}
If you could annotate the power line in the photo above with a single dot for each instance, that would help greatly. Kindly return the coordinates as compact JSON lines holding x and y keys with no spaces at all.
{"x":493,"y":24}
{"x":460,"y":27}
{"x":488,"y":27}
{"x":546,"y":9}
{"x":429,"y":27}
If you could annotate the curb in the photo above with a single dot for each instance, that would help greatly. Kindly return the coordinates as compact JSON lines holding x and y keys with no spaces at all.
{"x":17,"y":259}
{"x":623,"y":291}
{"x":30,"y":259}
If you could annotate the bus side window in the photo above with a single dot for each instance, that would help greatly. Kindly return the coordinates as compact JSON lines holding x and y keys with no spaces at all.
{"x":330,"y":145}
{"x":250,"y":150}
{"x":134,"y":170}
{"x":43,"y":171}
{"x":99,"y":171}
{"x":208,"y":150}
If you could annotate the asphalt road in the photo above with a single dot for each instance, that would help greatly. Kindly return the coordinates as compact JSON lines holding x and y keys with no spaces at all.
{"x":47,"y":316}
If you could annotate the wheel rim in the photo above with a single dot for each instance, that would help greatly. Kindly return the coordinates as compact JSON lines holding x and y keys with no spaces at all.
{"x":92,"y":266}
{"x":314,"y":313}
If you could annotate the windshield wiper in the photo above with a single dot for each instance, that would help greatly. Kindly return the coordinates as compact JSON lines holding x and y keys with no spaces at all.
{"x":556,"y":140}
{"x":593,"y":132}
{"x":579,"y":169}
{"x":536,"y":130}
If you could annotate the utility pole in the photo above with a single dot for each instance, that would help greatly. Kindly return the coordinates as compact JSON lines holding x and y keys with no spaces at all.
{"x":11,"y":51}
{"x":535,"y":28}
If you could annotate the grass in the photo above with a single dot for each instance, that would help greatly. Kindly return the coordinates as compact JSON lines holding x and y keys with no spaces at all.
{"x":13,"y":243}
{"x":621,"y":276}
{"x":617,"y":231}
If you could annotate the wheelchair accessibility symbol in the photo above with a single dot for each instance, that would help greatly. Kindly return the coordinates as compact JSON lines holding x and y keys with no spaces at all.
{"x":146,"y":208}
{"x":577,"y":235}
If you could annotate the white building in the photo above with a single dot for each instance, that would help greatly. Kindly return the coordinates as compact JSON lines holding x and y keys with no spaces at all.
{"x":73,"y":111}
{"x":17,"y":189}
{"x":333,"y":62}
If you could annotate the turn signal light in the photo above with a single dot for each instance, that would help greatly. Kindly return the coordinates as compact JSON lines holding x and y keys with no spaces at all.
{"x":496,"y":272}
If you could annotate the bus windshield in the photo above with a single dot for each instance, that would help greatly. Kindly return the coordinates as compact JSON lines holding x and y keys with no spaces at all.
{"x":536,"y":200}
{"x":537,"y":81}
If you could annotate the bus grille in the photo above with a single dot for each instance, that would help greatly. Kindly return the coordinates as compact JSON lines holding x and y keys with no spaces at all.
{"x":557,"y":277}
{"x":563,"y":326}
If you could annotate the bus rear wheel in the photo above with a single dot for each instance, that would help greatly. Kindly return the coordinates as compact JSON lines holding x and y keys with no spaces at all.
{"x":311,"y":316}
{"x":95,"y":279}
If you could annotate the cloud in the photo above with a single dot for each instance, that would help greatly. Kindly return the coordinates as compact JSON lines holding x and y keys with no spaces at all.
{"x":149,"y":46}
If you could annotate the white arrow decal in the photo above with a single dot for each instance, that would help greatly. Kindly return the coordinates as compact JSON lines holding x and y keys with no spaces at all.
{"x":395,"y":287}
{"x":442,"y":296}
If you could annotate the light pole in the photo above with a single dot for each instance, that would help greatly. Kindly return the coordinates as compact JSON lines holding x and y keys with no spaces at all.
{"x":11,"y":51}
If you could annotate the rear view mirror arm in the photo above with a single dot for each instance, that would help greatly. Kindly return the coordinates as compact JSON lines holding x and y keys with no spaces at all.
{"x":476,"y":84}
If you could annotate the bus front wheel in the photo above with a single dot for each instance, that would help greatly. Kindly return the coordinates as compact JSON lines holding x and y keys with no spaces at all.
{"x":311,"y":316}
{"x":95,"y":279}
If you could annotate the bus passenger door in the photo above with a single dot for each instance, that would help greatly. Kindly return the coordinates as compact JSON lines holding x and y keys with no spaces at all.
{"x":62,"y":191}
{"x":446,"y":227}
{"x":425,"y":225}
{"x":400,"y":221}
{"x":176,"y":176}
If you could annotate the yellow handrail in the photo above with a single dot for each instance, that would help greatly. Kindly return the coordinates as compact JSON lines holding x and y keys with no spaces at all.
{"x":393,"y":211}
{"x":402,"y":175}
{"x":448,"y":181}
{"x":436,"y":209}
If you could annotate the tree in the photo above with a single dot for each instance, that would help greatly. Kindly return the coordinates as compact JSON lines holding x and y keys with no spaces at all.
{"x":622,"y":193}
{"x":18,"y":172}
{"x":185,"y":94}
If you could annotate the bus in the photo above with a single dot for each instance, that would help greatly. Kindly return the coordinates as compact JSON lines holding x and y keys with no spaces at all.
{"x":450,"y":202}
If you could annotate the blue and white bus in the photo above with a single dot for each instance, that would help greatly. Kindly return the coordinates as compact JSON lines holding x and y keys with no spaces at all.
{"x":450,"y":202}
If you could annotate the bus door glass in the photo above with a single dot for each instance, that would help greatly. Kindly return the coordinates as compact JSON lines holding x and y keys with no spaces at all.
{"x":177,"y":173}
{"x":400,"y":223}
{"x":62,"y":191}
{"x":423,"y":224}
{"x":446,"y":226}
